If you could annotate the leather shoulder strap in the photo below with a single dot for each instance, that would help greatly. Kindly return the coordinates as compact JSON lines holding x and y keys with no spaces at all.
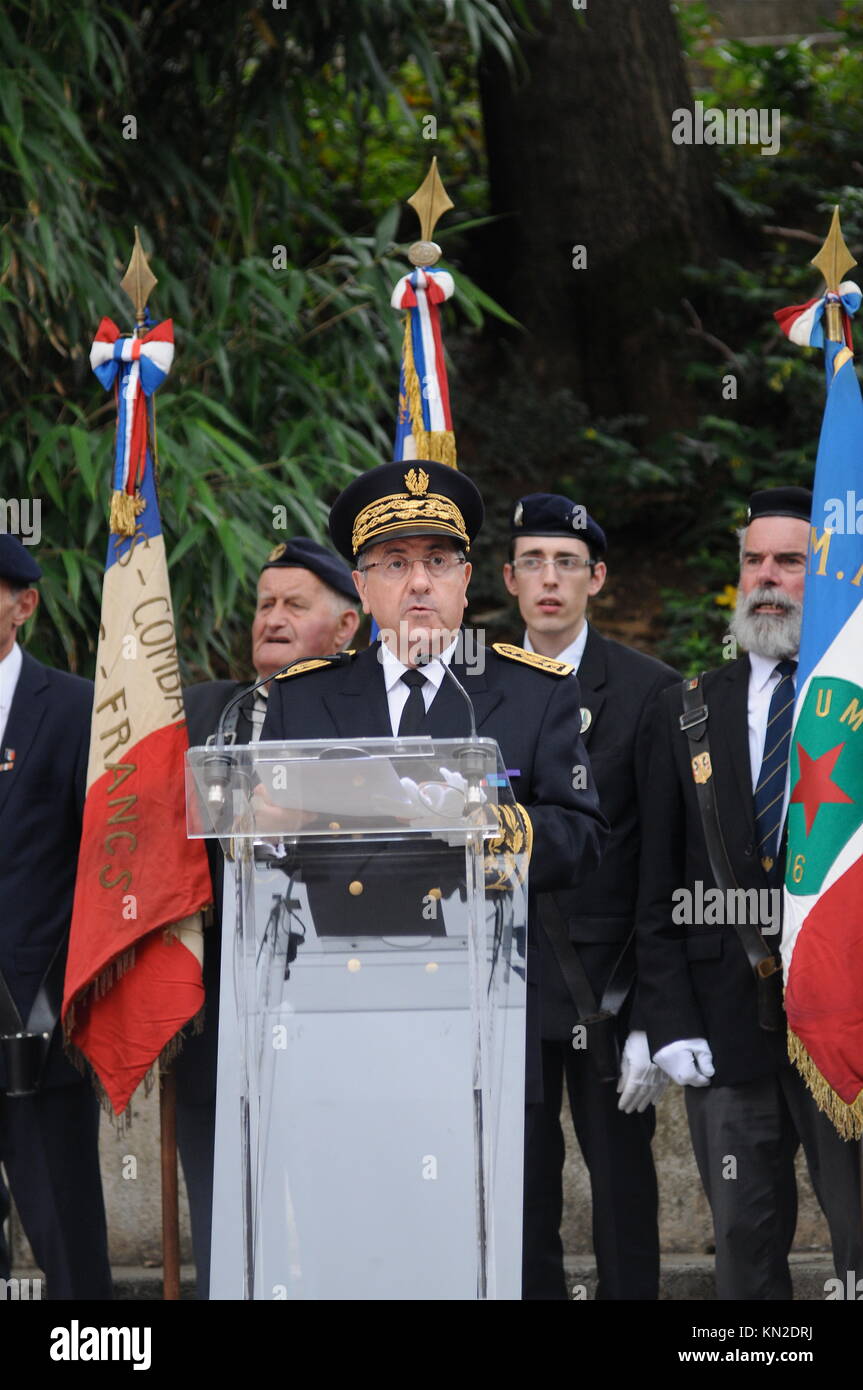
{"x":694,"y":722}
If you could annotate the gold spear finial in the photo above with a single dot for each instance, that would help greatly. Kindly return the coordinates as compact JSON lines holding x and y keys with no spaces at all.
{"x":139,"y":282}
{"x":429,"y":203}
{"x":834,"y":260}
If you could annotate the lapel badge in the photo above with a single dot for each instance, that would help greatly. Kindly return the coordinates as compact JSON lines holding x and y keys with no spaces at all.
{"x":702,"y":770}
{"x":586,"y":720}
{"x":8,"y":762}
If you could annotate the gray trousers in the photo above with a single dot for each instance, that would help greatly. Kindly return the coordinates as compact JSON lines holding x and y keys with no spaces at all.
{"x":745,"y":1139}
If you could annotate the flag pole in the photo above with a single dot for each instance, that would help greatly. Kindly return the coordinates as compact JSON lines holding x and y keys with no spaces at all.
{"x":834,"y":260}
{"x":139,"y":283}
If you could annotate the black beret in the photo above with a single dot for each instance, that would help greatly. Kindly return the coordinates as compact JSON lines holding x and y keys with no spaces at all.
{"x":780,"y":501}
{"x":413,"y":497}
{"x":549,"y":514}
{"x":302,"y":553}
{"x":17,"y":565}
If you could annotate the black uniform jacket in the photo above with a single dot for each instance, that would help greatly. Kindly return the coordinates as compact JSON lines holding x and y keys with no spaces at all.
{"x":694,"y":979}
{"x":533,"y":716}
{"x":195,"y":1067}
{"x":204,"y":704}
{"x":619,"y":692}
{"x":41,"y":810}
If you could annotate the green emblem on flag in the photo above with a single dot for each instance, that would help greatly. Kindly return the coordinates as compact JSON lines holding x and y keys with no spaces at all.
{"x":826,"y":781}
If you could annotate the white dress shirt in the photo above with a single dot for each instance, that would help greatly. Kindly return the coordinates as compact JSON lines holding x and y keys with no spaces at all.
{"x":573,"y":653}
{"x":763,"y":680}
{"x":398,"y":692}
{"x":10,"y":670}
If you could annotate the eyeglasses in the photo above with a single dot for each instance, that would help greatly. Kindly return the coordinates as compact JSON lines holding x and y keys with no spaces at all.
{"x":563,"y":564}
{"x":395,"y":567}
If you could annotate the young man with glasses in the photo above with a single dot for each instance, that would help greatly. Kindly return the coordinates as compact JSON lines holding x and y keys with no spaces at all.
{"x":407,"y":528}
{"x":587,"y":947}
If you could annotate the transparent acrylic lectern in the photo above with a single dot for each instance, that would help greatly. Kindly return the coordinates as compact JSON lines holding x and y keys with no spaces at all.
{"x":371,"y":1052}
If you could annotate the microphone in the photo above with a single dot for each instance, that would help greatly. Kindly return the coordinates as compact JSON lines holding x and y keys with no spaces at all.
{"x":218,"y":765}
{"x":471,"y":759}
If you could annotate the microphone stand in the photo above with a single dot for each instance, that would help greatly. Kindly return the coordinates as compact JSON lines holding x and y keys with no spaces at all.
{"x":218,"y":766}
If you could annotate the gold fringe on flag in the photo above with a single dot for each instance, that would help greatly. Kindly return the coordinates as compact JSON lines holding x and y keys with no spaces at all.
{"x":186,"y":932}
{"x":846,"y":1119}
{"x":436,"y":445}
{"x":125,"y":510}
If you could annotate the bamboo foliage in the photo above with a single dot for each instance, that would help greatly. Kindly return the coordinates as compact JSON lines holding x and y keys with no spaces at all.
{"x":198,"y":122}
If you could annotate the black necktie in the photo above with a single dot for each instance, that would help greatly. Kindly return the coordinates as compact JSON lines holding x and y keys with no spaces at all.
{"x":413,"y":720}
{"x":770,"y":791}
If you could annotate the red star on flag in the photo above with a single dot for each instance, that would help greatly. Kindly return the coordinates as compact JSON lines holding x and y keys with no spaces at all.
{"x":815,"y":787}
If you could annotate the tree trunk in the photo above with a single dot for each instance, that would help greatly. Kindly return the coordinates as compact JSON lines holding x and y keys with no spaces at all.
{"x":580,"y":155}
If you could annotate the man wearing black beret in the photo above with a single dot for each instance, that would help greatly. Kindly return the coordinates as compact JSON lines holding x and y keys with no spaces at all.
{"x":587,"y":946}
{"x":709,"y":980}
{"x":307,"y":606}
{"x":49,"y":1114}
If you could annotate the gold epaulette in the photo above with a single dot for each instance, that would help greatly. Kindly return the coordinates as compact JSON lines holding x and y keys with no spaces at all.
{"x":541,"y":663}
{"x":313,"y":664}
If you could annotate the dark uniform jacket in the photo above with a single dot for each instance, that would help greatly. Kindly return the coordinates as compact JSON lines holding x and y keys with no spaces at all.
{"x":41,"y":810}
{"x":619,"y":692}
{"x":533,"y":716}
{"x":694,"y":979}
{"x":195,"y":1067}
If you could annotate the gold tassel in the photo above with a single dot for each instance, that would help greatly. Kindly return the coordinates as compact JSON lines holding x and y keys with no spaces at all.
{"x":847,"y":1119}
{"x":436,"y":445}
{"x":125,"y":510}
{"x":100,"y":986}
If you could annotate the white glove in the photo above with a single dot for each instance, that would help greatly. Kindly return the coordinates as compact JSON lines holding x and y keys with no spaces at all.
{"x":445,"y":799}
{"x":640,"y":1083}
{"x":435,"y":798}
{"x":688,"y":1061}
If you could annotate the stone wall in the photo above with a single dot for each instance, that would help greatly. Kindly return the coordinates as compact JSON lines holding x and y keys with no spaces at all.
{"x":134,"y":1209}
{"x":684,"y":1216}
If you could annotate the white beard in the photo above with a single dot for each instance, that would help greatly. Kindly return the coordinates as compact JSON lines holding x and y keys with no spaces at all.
{"x":772,"y":635}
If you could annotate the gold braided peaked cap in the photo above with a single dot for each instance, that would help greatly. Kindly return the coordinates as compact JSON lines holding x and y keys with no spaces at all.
{"x":413,"y":497}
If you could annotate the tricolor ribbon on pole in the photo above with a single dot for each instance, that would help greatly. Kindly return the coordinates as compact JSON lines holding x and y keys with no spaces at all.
{"x":822,"y":939}
{"x":424,"y":422}
{"x":134,"y":367}
{"x":804,"y":323}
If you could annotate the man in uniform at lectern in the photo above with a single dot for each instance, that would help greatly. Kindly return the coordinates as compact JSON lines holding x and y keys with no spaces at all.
{"x":407,"y":528}
{"x":306,"y":606}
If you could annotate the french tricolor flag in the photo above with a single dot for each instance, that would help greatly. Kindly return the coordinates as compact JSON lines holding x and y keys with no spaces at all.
{"x":133,"y":975}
